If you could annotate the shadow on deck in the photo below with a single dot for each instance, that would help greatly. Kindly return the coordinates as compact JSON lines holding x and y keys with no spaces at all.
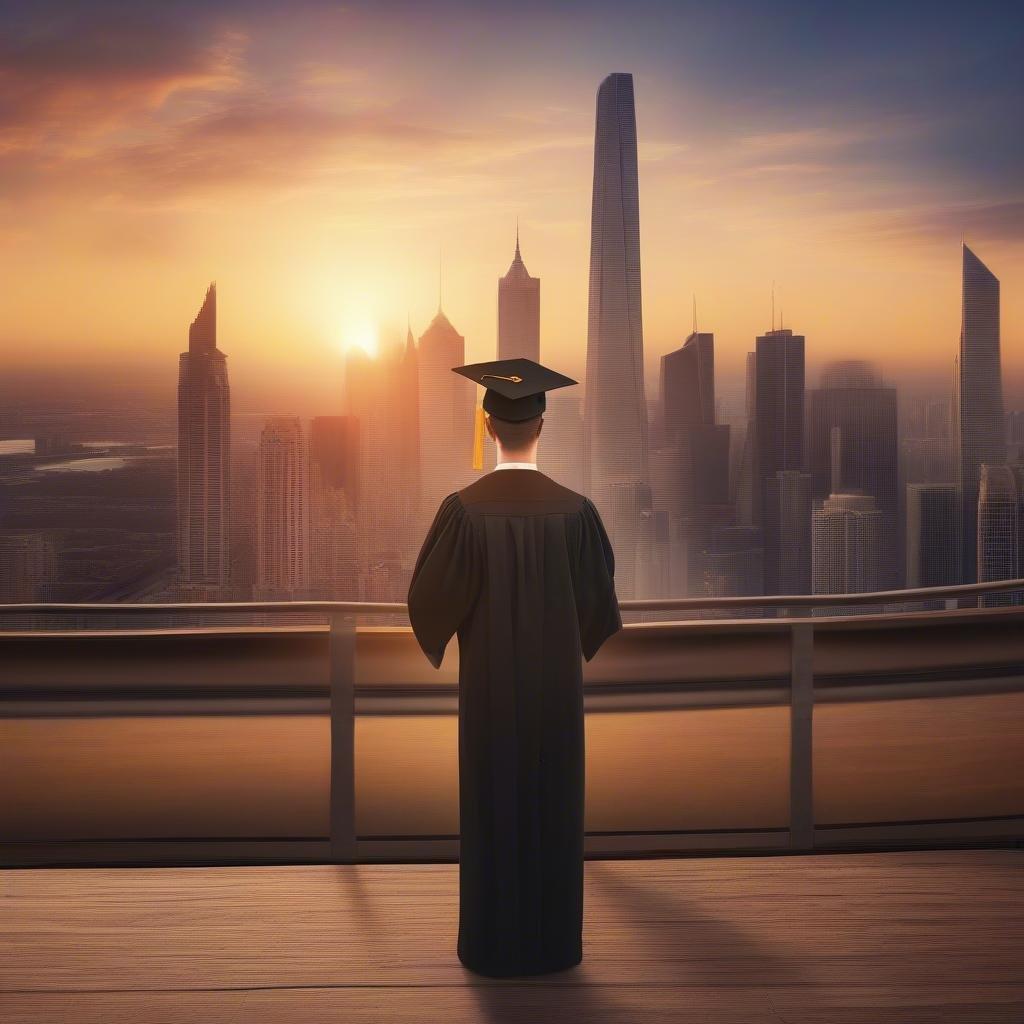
{"x":827,"y":939}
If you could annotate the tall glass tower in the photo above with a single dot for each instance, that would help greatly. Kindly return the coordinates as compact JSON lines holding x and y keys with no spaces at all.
{"x":204,"y":458}
{"x":615,"y":411}
{"x":979,"y":433}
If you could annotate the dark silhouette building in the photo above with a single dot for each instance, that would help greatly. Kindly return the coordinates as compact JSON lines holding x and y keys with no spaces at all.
{"x":333,"y":506}
{"x":688,"y":419}
{"x":204,"y":458}
{"x":853,"y":447}
{"x":933,"y":540}
{"x":778,"y":448}
{"x":979,"y":431}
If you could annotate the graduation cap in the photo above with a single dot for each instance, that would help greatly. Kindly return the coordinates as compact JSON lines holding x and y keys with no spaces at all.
{"x":515,"y":391}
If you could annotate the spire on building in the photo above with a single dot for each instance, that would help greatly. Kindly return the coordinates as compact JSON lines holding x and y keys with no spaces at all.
{"x":440,"y":280}
{"x":517,"y":270}
{"x":202,"y":334}
{"x":518,"y":310}
{"x":204,"y":441}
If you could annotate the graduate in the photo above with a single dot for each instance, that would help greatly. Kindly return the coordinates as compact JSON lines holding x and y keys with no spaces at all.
{"x":521,"y":569}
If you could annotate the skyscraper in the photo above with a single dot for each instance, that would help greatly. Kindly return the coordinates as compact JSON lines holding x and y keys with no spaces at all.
{"x":848,"y":547}
{"x":747,"y":485}
{"x":615,"y":411}
{"x":519,"y":312}
{"x":979,"y":433}
{"x":1000,"y":494}
{"x":446,"y":414}
{"x":933,"y":541}
{"x":689,"y":460}
{"x":204,"y":458}
{"x":688,"y":418}
{"x":334,"y":454}
{"x":377,"y":394}
{"x":561,"y":449}
{"x":333,"y":501}
{"x":282,"y":511}
{"x":688,"y":383}
{"x":778,"y":432}
{"x":787,"y":533}
{"x":853,"y":447}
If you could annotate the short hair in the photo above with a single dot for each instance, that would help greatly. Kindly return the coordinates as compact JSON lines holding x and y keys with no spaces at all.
{"x":514,"y":435}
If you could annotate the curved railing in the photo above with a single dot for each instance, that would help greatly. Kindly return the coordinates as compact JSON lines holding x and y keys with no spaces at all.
{"x":336,"y":742}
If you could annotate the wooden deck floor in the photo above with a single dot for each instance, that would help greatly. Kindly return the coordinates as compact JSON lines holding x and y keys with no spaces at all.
{"x":829,"y":939}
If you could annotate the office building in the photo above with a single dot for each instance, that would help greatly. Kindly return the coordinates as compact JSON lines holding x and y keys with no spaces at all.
{"x":282,"y":511}
{"x":933,"y":540}
{"x":615,"y":412}
{"x":979,"y":429}
{"x":204,"y":459}
{"x":849,"y":547}
{"x":853,"y":448}
{"x":779,"y":501}
{"x":519,"y":312}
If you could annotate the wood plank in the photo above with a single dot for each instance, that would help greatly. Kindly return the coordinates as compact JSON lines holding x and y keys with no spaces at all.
{"x":513,"y":1002}
{"x":507,"y":1003}
{"x":804,"y":939}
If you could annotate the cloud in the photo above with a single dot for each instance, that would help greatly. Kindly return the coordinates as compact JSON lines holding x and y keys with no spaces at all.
{"x":262,"y":141}
{"x":991,"y":221}
{"x":86,"y":71}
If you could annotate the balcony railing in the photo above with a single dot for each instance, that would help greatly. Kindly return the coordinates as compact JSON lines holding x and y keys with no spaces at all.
{"x":242,"y":743}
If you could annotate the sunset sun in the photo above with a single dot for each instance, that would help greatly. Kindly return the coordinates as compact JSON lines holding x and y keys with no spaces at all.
{"x":360,"y":333}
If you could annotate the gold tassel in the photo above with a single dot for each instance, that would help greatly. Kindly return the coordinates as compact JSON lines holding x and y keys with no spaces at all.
{"x":478,"y":438}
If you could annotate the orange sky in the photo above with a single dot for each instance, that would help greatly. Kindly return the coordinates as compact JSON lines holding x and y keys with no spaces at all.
{"x":317,"y":184}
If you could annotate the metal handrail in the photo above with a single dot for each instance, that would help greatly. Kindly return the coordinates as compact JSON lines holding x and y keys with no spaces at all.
{"x":653,"y":604}
{"x":343,"y":845}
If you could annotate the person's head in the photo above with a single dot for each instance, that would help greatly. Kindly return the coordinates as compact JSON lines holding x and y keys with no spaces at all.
{"x":515,"y":438}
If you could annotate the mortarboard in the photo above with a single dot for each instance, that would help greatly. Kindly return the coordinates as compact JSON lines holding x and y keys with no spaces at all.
{"x":515,"y":391}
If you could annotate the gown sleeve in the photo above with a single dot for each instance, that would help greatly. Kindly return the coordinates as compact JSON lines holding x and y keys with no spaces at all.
{"x":597,"y":607}
{"x":445,"y":580}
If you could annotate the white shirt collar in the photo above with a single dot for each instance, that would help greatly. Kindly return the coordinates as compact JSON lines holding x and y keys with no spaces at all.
{"x":516,"y":465}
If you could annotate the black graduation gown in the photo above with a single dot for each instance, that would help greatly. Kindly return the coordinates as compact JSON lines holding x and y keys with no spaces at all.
{"x":522,"y":569}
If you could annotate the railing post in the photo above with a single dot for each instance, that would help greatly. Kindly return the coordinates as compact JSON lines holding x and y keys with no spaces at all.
{"x":342,"y":662}
{"x":801,"y":759}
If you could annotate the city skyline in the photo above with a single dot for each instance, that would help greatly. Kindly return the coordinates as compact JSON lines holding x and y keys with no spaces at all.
{"x":143,"y":185}
{"x":811,"y":485}
{"x":820,"y":465}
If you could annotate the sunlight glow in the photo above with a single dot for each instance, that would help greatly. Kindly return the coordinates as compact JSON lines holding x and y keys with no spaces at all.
{"x":360,"y":333}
